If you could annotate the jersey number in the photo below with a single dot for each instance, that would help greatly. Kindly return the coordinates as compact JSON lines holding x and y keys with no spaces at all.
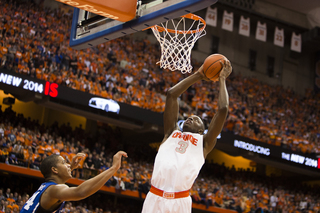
{"x":30,"y":201}
{"x":182,"y":148}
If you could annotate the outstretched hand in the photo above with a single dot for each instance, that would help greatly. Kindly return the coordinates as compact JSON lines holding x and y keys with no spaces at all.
{"x":76,"y":159}
{"x":227,"y":69}
{"x":117,"y":159}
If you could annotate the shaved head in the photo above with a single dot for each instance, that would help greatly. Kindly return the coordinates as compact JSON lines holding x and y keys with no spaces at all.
{"x":193,"y":124}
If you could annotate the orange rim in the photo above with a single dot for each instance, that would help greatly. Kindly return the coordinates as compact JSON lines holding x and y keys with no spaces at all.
{"x":189,"y":16}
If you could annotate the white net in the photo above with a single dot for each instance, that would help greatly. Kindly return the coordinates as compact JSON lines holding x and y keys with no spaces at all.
{"x":176,"y":43}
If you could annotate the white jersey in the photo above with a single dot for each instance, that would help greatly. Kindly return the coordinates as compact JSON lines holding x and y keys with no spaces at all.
{"x":178,"y":162}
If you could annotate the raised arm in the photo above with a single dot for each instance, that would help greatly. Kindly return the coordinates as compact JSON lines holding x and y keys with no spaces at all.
{"x":62,"y":192}
{"x":171,"y":111}
{"x":219,"y":118}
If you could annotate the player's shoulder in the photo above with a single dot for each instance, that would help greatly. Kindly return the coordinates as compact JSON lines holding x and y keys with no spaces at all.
{"x":56,"y":187}
{"x":167,"y":135}
{"x":61,"y":185}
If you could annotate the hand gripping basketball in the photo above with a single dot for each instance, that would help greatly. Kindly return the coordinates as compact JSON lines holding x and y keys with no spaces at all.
{"x":213,"y":65}
{"x":226,"y":70}
{"x":204,"y":77}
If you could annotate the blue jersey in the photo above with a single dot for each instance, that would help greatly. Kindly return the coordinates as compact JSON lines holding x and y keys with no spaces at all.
{"x":33,"y":204}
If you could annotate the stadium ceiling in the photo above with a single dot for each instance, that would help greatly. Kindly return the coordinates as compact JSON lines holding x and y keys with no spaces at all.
{"x":304,"y":6}
{"x":311,"y":8}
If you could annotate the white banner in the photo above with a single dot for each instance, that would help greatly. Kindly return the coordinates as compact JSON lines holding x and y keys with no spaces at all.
{"x":296,"y":42}
{"x":261,"y":32}
{"x":244,"y":26}
{"x":211,"y":16}
{"x":278,"y":37}
{"x":227,"y":21}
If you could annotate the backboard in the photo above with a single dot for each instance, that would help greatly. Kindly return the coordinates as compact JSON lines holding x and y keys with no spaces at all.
{"x":89,"y":29}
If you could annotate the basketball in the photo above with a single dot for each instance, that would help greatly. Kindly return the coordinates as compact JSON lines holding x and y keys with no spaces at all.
{"x":212,"y":66}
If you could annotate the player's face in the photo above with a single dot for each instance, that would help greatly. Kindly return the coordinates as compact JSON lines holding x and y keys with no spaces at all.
{"x":64,"y":169}
{"x":193,"y":124}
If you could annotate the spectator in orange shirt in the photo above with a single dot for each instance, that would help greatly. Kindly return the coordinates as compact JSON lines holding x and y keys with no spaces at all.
{"x":4,"y":154}
{"x":49,"y":147}
{"x":10,"y":199}
{"x":135,"y":102}
{"x":7,"y":131}
{"x":8,"y":209}
{"x":59,"y":143}
{"x":26,"y":153}
{"x":15,"y":208}
{"x":3,"y":52}
{"x":42,"y":148}
{"x":20,"y":137}
{"x":56,"y":150}
{"x":218,"y":199}
{"x":35,"y":156}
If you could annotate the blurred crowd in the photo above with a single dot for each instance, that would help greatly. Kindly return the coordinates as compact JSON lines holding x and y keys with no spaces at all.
{"x":35,"y":41}
{"x":24,"y":142}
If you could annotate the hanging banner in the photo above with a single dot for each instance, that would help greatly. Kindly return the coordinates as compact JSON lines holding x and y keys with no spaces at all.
{"x":211,"y":16}
{"x":278,"y":37}
{"x":296,"y":42}
{"x":244,"y":26}
{"x":261,"y":32}
{"x":227,"y":21}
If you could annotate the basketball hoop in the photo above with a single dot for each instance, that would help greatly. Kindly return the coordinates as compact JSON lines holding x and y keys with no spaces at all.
{"x":176,"y":44}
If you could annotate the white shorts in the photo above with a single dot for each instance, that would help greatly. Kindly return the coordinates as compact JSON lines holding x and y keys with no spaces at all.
{"x":156,"y":204}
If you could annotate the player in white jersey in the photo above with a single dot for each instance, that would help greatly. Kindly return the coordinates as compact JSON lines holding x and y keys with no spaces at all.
{"x":182,"y":153}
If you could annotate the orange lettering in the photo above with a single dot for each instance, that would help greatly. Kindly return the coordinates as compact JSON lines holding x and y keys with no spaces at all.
{"x":194,"y":141}
{"x":185,"y":137}
{"x":175,"y":135}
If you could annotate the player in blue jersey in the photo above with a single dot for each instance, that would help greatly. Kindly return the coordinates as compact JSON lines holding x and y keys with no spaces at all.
{"x":52,"y":194}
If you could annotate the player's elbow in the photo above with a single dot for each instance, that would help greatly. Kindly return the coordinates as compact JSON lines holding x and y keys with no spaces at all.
{"x":224,"y":108}
{"x":172,"y":94}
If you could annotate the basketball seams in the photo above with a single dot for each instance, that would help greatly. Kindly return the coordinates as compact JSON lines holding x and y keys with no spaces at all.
{"x":208,"y":68}
{"x":216,"y":74}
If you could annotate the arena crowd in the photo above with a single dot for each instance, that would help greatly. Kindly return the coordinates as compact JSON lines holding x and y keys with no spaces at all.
{"x":34,"y":41}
